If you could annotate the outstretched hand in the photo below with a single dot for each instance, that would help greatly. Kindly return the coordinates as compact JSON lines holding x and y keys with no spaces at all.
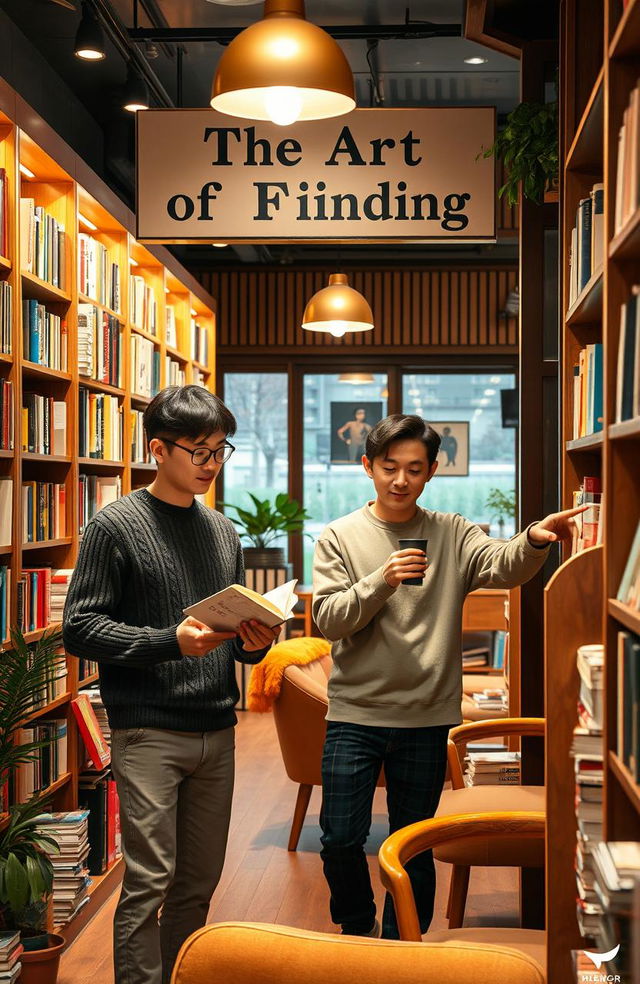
{"x":556,"y":526}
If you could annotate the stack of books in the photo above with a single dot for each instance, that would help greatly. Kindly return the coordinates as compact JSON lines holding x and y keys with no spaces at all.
{"x":99,"y":345}
{"x":95,"y":492}
{"x":42,"y":244}
{"x":93,"y":693}
{"x":143,"y":305}
{"x":491,"y":699}
{"x":590,"y":701}
{"x":98,"y":277}
{"x":588,"y":525}
{"x":489,"y":768}
{"x":34,"y":598}
{"x":70,"y":875}
{"x":616,"y":873}
{"x":60,"y":580}
{"x":6,"y":317}
{"x":98,"y":794}
{"x":46,"y":765}
{"x":43,"y":511}
{"x":99,"y":426}
{"x":44,"y":336}
{"x":44,"y":424}
{"x":587,"y":242}
{"x":588,"y":391}
{"x":10,"y":950}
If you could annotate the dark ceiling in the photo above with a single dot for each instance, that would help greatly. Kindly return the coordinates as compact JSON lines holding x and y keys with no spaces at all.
{"x":402,"y":70}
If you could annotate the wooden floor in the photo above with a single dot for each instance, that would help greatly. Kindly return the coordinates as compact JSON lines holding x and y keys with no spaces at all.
{"x":263,"y":882}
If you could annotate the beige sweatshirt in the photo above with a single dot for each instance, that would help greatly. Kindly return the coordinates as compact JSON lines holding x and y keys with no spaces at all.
{"x":397,"y":651}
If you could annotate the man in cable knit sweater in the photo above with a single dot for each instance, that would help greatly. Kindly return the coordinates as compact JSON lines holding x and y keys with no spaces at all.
{"x":396,"y":684}
{"x":167,"y":682}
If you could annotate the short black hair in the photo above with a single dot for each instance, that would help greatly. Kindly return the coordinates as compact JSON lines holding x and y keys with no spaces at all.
{"x":402,"y":427}
{"x":187,"y":411}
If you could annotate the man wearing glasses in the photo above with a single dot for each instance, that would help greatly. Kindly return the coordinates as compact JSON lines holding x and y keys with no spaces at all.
{"x":167,"y":682}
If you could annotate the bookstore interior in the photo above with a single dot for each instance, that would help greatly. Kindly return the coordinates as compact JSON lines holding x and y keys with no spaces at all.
{"x":397,"y":208}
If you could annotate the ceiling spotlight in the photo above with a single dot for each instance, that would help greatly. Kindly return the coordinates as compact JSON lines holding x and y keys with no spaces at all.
{"x":356,"y":378}
{"x":283,"y":69}
{"x":337,"y":309}
{"x":476,"y":61}
{"x":220,"y":245}
{"x":136,"y":93}
{"x":89,"y":44}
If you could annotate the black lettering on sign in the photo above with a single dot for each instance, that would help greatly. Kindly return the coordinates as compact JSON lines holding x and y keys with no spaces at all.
{"x":265,"y":200}
{"x":346,"y":144}
{"x":180,"y":204}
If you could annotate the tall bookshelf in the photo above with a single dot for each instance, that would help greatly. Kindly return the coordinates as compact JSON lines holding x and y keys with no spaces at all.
{"x":597,"y":79}
{"x":46,"y":170}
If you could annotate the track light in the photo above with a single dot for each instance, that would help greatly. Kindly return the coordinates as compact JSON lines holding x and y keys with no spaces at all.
{"x":136,"y":93}
{"x":89,"y":43}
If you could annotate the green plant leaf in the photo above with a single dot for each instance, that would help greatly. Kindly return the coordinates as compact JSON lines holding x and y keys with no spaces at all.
{"x":17,"y":884}
{"x":34,"y":877}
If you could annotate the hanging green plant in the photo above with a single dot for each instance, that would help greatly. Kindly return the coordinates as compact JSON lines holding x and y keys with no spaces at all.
{"x":528,"y":147}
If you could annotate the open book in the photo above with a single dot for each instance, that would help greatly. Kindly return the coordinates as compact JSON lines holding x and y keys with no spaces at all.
{"x":225,"y":610}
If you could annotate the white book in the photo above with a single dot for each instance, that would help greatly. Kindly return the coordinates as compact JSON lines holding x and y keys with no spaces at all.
{"x":226,"y":609}
{"x":59,"y":427}
{"x":6,"y":510}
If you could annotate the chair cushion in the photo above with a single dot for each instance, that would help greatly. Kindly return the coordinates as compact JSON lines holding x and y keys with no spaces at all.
{"x":533,"y":942}
{"x":492,"y":851}
{"x":311,"y":678}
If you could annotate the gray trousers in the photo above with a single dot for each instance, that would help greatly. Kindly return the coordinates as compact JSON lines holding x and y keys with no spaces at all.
{"x":175,"y":792}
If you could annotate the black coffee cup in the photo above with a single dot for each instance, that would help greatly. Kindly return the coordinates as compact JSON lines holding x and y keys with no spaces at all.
{"x":406,"y":544}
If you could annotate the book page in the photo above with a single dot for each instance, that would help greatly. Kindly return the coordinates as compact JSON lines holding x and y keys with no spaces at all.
{"x":283,"y":597}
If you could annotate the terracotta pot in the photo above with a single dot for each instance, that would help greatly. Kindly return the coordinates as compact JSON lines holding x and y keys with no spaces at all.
{"x":41,"y":966}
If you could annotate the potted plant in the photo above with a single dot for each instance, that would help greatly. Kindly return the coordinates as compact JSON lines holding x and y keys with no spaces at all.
{"x":500,"y":505}
{"x":528,"y":146}
{"x":26,"y":872}
{"x":264,"y":524}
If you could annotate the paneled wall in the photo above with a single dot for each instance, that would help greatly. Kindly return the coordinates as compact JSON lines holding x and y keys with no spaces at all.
{"x":438,"y":310}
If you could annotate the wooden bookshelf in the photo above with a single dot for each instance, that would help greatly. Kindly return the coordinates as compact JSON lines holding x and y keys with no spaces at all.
{"x":596,"y":81}
{"x":77,"y":198}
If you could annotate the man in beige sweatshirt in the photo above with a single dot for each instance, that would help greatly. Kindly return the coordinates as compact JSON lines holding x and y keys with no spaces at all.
{"x":396,"y":685}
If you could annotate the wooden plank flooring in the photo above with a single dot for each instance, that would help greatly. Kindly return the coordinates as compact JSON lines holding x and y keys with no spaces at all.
{"x":263,"y":882}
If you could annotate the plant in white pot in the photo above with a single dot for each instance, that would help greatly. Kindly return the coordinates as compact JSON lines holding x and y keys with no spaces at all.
{"x":26,"y":872}
{"x":265,"y":524}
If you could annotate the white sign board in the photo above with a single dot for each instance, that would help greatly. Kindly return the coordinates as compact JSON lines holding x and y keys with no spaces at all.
{"x":403,"y":174}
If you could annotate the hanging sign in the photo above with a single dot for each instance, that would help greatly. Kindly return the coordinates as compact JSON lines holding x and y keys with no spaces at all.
{"x":375,"y":174}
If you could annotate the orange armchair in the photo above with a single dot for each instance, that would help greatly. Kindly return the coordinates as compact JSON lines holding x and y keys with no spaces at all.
{"x":468,"y":832}
{"x":254,"y":953}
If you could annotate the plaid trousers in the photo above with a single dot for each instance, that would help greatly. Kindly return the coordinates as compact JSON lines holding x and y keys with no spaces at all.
{"x":414,"y":762}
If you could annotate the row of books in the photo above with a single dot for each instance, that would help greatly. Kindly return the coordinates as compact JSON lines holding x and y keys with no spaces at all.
{"x":11,"y":949}
{"x":199,"y":343}
{"x":98,"y":275}
{"x":628,"y":705}
{"x":100,"y":712}
{"x":139,"y":451}
{"x":587,"y":242}
{"x":490,"y":767}
{"x":481,"y":653}
{"x":43,"y":511}
{"x":171,"y":328}
{"x":145,"y":366}
{"x":198,"y":378}
{"x":6,"y":316}
{"x":5,"y":603}
{"x":628,"y":162}
{"x":4,"y":212}
{"x":44,"y":336}
{"x":628,"y":374}
{"x":86,"y":667}
{"x":587,"y":391}
{"x":96,"y":491}
{"x":34,"y":598}
{"x":588,"y":526}
{"x":99,"y":426}
{"x":614,"y":876}
{"x":47,"y":764}
{"x":7,"y":438}
{"x":174,"y":373}
{"x":60,"y":580}
{"x":99,"y":345}
{"x":70,"y":875}
{"x":42,"y":243}
{"x":44,"y":424}
{"x":143,"y":305}
{"x":629,"y":589}
{"x":98,"y":794}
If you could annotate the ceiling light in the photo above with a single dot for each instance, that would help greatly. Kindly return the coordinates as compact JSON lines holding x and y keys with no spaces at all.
{"x":89,"y":43}
{"x":136,"y":94}
{"x":132,"y":262}
{"x":26,"y":172}
{"x":337,"y":309}
{"x":283,"y":69}
{"x":355,"y":377}
{"x":83,"y":220}
{"x":490,"y":392}
{"x":220,"y":245}
{"x":476,"y":61}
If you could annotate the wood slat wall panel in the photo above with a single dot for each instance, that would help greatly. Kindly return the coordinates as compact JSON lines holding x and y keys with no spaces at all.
{"x":447,"y":309}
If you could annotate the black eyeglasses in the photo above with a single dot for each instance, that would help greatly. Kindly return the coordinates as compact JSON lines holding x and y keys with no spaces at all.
{"x":201,"y":455}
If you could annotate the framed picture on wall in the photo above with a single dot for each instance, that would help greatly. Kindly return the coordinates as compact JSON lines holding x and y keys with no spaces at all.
{"x":350,"y":425}
{"x":454,"y":449}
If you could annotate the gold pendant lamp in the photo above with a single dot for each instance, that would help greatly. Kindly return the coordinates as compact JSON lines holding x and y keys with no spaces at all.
{"x":283,"y":69}
{"x":337,"y":309}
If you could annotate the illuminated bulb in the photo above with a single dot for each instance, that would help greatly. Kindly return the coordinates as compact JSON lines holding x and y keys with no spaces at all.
{"x":338,"y":330}
{"x":283,"y":104}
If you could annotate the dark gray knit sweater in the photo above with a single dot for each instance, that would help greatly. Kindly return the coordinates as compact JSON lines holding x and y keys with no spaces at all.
{"x":142,"y":561}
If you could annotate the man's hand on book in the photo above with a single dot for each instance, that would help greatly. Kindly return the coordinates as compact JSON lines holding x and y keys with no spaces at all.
{"x":256,"y":636}
{"x":197,"y":639}
{"x":404,"y":564}
{"x":556,"y":526}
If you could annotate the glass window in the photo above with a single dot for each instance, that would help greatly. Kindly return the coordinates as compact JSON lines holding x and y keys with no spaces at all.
{"x":479,"y":454}
{"x":259,"y":402}
{"x":339,"y":410}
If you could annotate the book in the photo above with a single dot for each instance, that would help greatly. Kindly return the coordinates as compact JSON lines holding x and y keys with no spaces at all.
{"x":226,"y":609}
{"x":94,"y":742}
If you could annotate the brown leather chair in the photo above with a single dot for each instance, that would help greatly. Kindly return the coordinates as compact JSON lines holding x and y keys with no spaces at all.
{"x":468,"y":834}
{"x":300,"y":713}
{"x":254,"y":953}
{"x":463,"y":800}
